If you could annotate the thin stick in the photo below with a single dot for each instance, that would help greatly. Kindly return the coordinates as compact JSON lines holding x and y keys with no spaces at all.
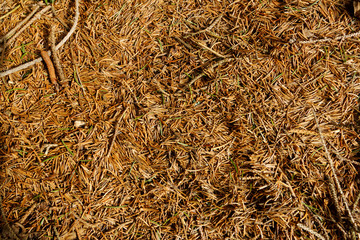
{"x":31,"y":21}
{"x":67,"y":28}
{"x":209,"y":49}
{"x":12,"y":32}
{"x":333,"y":195}
{"x":208,"y":28}
{"x":72,"y":30}
{"x":334,"y":173}
{"x":329,"y":39}
{"x":59,"y":45}
{"x":214,"y":65}
{"x":188,"y":46}
{"x":303,"y":227}
{"x":321,"y":225}
{"x":50,"y":67}
{"x":2,"y":53}
{"x":55,"y":56}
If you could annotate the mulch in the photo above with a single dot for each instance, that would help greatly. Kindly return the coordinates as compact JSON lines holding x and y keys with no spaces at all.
{"x":182,"y":120}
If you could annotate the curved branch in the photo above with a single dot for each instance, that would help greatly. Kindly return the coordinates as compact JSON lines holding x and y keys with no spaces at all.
{"x":59,"y":45}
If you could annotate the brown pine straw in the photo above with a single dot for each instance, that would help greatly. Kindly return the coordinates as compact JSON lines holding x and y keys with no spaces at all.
{"x":209,"y":49}
{"x":212,"y":66}
{"x":58,"y":46}
{"x":27,"y":214}
{"x":334,"y":175}
{"x":130,"y":151}
{"x":116,"y":133}
{"x":16,"y":28}
{"x":7,"y":227}
{"x":56,"y":233}
{"x":208,"y":28}
{"x":37,"y":16}
{"x":356,"y":203}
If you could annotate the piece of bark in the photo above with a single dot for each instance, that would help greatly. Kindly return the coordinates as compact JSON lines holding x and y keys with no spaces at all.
{"x":50,"y":67}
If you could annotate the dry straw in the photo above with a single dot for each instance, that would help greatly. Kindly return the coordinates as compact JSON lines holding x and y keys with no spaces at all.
{"x":192,"y":119}
{"x":26,"y":20}
{"x":334,"y":175}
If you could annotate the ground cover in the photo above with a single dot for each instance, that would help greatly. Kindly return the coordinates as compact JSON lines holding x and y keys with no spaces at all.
{"x":181,"y":120}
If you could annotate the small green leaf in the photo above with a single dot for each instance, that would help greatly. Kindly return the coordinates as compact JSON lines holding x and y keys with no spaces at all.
{"x":233,"y":163}
{"x":123,"y":206}
{"x":48,"y":159}
{"x":67,"y":148}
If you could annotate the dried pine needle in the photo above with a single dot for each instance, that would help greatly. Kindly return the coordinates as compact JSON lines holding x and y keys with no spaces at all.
{"x":231,"y":155}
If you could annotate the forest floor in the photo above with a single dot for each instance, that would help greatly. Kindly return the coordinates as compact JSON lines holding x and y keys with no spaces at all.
{"x":187,"y":119}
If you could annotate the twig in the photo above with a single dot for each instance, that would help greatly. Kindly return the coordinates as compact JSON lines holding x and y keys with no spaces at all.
{"x":67,"y":28}
{"x":84,"y":37}
{"x":188,"y":46}
{"x":2,"y":53}
{"x":55,"y":56}
{"x":208,"y":28}
{"x":31,"y":21}
{"x":13,"y":31}
{"x":209,"y":49}
{"x":321,"y":225}
{"x":334,"y":173}
{"x":59,"y":45}
{"x":72,"y":30}
{"x":334,"y":197}
{"x":327,"y":39}
{"x":190,"y":25}
{"x":303,"y":227}
{"x":50,"y":67}
{"x":214,"y":65}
